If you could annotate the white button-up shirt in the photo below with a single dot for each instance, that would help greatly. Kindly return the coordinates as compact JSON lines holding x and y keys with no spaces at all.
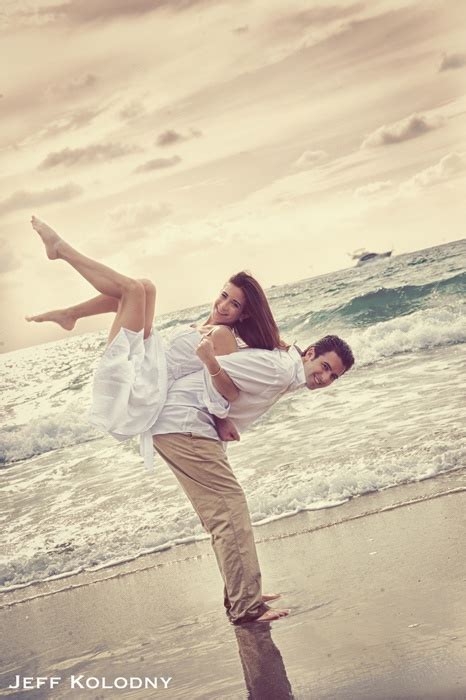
{"x":262,"y":376}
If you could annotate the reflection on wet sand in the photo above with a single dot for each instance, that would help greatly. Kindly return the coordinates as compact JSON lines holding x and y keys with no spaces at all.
{"x":263,"y":667}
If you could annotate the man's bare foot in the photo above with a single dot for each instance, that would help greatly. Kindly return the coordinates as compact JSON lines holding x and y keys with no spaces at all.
{"x":267,"y":597}
{"x":60,"y":316}
{"x":272,"y":614}
{"x":50,"y":238}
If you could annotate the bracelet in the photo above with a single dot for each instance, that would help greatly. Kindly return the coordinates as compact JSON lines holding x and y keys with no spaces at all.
{"x":214,"y":375}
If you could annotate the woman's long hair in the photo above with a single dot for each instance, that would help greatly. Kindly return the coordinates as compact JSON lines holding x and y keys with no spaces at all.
{"x":259,"y":329}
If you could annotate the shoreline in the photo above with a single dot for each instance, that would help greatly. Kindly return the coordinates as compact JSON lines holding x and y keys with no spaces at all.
{"x":303,"y":522}
{"x":377,"y":613}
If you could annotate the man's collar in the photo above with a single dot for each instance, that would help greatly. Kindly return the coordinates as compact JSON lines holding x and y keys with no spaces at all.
{"x":299,"y":379}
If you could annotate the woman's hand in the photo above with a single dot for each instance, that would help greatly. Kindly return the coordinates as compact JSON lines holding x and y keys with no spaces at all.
{"x":220,"y":379}
{"x":206,"y":353}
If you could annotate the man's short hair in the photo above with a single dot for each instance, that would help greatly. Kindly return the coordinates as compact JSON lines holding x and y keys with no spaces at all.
{"x":333,"y":343}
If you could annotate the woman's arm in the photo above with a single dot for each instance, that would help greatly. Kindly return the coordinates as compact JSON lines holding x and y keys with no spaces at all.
{"x":219,"y":342}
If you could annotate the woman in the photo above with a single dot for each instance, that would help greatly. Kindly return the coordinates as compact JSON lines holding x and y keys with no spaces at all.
{"x":134,"y":374}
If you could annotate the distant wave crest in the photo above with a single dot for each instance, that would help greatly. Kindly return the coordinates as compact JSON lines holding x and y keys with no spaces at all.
{"x":390,"y":302}
{"x":423,"y":330}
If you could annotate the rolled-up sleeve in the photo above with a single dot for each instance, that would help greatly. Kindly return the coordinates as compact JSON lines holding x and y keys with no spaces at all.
{"x":213,"y":400}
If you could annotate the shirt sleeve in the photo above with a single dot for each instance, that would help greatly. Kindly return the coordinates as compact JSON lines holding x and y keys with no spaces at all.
{"x":253,"y":372}
{"x":215,"y":403}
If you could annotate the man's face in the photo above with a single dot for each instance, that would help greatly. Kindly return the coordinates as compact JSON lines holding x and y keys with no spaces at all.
{"x":323,"y":370}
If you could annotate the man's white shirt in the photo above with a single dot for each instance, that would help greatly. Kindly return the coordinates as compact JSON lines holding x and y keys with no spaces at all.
{"x":262,"y":376}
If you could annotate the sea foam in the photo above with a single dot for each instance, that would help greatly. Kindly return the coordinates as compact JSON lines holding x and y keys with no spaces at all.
{"x":46,"y":433}
{"x":421,"y":330}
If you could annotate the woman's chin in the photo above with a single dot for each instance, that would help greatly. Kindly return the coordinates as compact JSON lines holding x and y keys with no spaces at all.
{"x":220,"y":320}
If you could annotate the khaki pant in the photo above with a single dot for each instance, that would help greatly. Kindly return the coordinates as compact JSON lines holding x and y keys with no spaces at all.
{"x":201,"y":467}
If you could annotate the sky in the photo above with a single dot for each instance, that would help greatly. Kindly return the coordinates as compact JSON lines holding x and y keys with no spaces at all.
{"x":184,"y":140}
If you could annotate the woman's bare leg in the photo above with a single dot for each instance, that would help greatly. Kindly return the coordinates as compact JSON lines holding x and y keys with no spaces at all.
{"x":102,"y":278}
{"x":66,"y":318}
{"x":101,"y":304}
{"x":151,"y":295}
{"x":130,"y":293}
{"x":149,"y":309}
{"x":131,"y":310}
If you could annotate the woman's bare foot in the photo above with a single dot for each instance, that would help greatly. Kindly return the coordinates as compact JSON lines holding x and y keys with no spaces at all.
{"x":272,"y":614}
{"x":50,"y":238}
{"x":60,"y":316}
{"x":267,"y":597}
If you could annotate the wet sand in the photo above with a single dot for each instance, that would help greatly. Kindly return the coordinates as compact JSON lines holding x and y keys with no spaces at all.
{"x":376,"y":592}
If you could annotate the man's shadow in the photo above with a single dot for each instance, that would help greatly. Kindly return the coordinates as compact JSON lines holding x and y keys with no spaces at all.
{"x":263,"y":667}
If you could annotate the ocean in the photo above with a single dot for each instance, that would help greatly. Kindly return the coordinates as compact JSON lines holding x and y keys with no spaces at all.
{"x":74,"y":499}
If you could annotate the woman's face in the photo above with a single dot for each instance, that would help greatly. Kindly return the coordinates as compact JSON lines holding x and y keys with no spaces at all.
{"x":228,"y":307}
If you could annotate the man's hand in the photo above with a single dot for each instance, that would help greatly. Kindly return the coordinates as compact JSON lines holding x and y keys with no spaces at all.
{"x":226,"y":429}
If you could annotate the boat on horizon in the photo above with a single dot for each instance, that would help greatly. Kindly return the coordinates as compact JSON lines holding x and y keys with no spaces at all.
{"x":364,"y":256}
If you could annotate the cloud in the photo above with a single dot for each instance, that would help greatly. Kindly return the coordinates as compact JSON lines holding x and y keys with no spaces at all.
{"x":403,"y":130}
{"x":24,"y":199}
{"x":167,"y":138}
{"x":297,"y":22}
{"x":138,"y":214}
{"x":78,"y":11}
{"x":446,"y":169}
{"x":82,"y":117}
{"x":132,"y":110}
{"x":372,"y":188}
{"x":83,"y":156}
{"x":70,"y":122}
{"x":158,"y":164}
{"x":172,"y":239}
{"x":452,"y":60}
{"x":137,"y":219}
{"x":82,"y":83}
{"x":8,"y":259}
{"x":310,"y":158}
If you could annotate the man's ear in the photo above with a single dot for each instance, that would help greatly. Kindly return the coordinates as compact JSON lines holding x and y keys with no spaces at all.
{"x":310,"y":353}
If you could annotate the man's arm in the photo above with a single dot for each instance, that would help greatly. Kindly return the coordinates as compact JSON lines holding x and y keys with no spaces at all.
{"x":263,"y":373}
{"x":251,"y":371}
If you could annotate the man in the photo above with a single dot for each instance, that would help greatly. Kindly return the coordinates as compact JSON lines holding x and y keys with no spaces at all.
{"x":185,"y":435}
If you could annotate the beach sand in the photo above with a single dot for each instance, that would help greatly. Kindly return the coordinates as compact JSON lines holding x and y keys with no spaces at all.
{"x":376,"y":592}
